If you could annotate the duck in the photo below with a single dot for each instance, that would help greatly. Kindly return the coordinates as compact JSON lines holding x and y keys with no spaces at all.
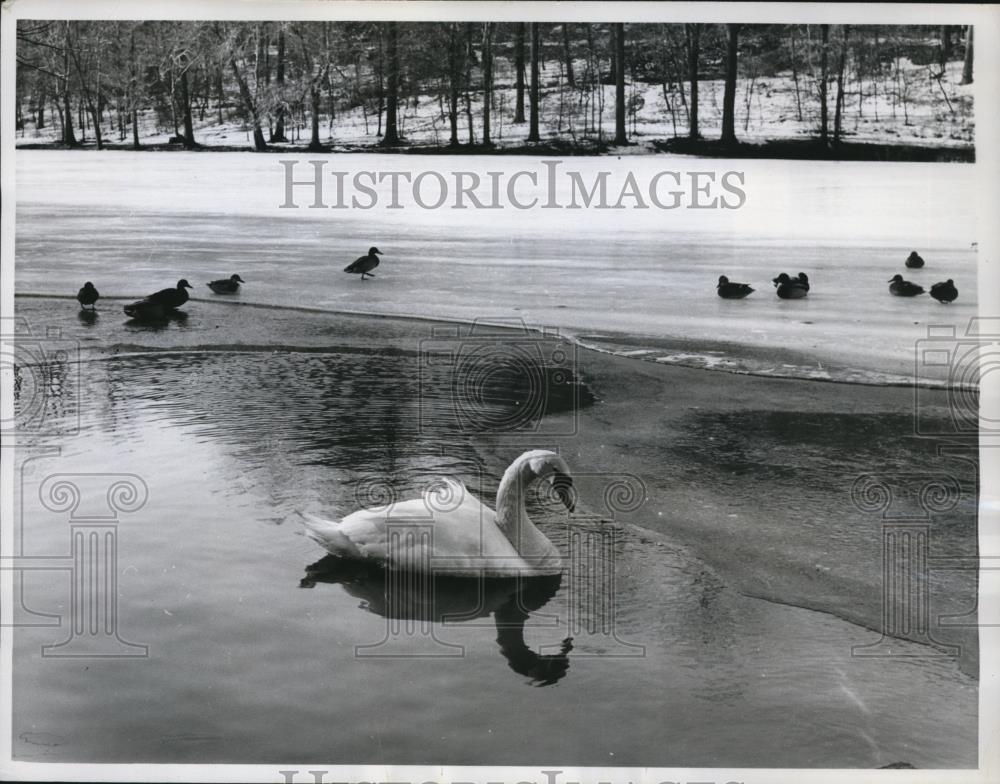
{"x":944,"y":292}
{"x":913,"y":261}
{"x":903,"y":288}
{"x":364,"y":264}
{"x":228,"y":285}
{"x":790,"y":288}
{"x":160,"y":303}
{"x":468,"y":538}
{"x":88,"y":295}
{"x":728,"y":290}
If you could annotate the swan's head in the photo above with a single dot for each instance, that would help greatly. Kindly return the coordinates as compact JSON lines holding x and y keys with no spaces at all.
{"x":183,"y":284}
{"x":782,"y":278}
{"x":896,"y":279}
{"x":236,"y":279}
{"x":723,"y":280}
{"x":373,"y":250}
{"x":548,"y":466}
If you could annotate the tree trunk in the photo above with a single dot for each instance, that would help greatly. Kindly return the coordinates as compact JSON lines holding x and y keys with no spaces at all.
{"x":68,"y":138}
{"x":487,"y":68}
{"x":189,"y":142}
{"x":133,"y":91}
{"x":568,"y":55}
{"x":259,"y":142}
{"x":967,"y":67}
{"x":533,"y":97}
{"x":519,"y":73}
{"x":621,"y":137}
{"x":823,"y":74}
{"x":693,"y":43}
{"x":454,"y":70}
{"x":391,"y":137}
{"x":314,"y":97}
{"x":838,"y":111}
{"x":729,"y":96}
{"x":944,"y":53}
{"x":279,"y":121}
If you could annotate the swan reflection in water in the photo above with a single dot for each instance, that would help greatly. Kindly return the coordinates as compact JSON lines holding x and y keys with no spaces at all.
{"x":451,"y":600}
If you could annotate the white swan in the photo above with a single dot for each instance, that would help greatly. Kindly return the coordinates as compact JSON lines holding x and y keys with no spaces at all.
{"x":462,"y":539}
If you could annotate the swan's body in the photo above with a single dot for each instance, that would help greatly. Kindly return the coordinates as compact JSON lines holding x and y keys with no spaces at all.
{"x":159,"y":304}
{"x":913,"y":261}
{"x":88,"y":295}
{"x":944,"y":292}
{"x":364,"y":264}
{"x":228,"y":285}
{"x":903,"y":288}
{"x":461,"y":539}
{"x":791,"y":288}
{"x":731,"y":290}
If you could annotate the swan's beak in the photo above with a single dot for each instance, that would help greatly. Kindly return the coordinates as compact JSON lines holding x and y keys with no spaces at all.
{"x":563,"y":485}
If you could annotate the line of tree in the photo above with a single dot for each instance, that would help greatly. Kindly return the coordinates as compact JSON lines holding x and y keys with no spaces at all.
{"x":285,"y":79}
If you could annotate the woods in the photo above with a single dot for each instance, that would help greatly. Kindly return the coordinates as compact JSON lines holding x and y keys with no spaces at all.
{"x":483,"y":85}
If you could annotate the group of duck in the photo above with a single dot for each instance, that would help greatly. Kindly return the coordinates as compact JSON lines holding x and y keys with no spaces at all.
{"x":162,"y":303}
{"x":788,"y":287}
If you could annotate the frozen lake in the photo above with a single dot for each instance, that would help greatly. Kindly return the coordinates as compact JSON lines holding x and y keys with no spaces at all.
{"x":136,"y":222}
{"x":747,"y":577}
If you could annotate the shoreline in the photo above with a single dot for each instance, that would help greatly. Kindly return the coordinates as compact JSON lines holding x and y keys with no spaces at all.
{"x":790,"y":149}
{"x":663,"y":350}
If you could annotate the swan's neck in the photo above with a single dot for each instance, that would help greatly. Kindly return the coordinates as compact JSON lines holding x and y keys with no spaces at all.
{"x":512,"y":516}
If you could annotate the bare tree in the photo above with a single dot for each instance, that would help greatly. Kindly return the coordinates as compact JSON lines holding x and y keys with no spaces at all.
{"x":619,"y":35}
{"x":693,"y":40}
{"x":967,"y":66}
{"x":519,"y":72}
{"x":391,"y":137}
{"x":729,"y":96}
{"x":533,"y":98}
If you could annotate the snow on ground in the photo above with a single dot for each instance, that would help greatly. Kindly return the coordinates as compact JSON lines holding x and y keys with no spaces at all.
{"x":935,"y":113}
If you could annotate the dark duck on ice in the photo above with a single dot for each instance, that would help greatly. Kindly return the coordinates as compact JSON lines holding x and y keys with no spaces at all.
{"x":944,"y":292}
{"x":913,"y":261}
{"x":364,"y":264}
{"x":87,"y":295}
{"x":159,"y":304}
{"x":903,"y":288}
{"x":229,"y":285}
{"x":790,"y":288}
{"x":730,"y":290}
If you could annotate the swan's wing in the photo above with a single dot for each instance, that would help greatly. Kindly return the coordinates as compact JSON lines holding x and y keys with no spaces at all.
{"x":329,"y":534}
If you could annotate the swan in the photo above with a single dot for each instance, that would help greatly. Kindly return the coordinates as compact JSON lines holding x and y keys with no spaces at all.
{"x":88,"y":295}
{"x":468,"y":539}
{"x":364,"y":264}
{"x":228,"y":285}
{"x":730,"y":290}
{"x":903,"y":288}
{"x":944,"y":292}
